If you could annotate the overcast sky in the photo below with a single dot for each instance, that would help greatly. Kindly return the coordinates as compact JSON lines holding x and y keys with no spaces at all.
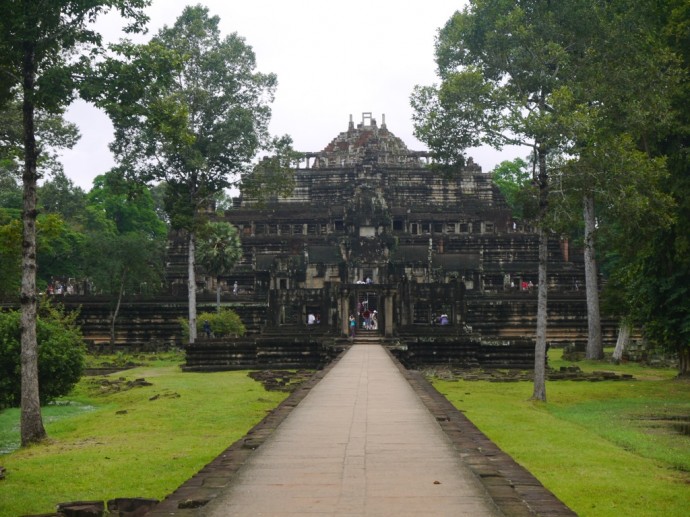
{"x":332,"y":59}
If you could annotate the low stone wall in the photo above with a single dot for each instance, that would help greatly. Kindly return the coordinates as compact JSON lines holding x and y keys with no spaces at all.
{"x":152,"y":324}
{"x":288,"y":350}
{"x":464,"y":352}
{"x":514,"y":315}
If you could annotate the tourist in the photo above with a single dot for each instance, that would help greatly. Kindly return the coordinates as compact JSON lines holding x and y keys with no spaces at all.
{"x":374,"y":320}
{"x":311,"y":319}
{"x":443,"y":320}
{"x":234,"y":288}
{"x":207,"y":329}
{"x":366,"y":315}
{"x":353,"y":326}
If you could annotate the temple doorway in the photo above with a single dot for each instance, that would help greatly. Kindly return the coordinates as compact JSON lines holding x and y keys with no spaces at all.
{"x":366,"y":304}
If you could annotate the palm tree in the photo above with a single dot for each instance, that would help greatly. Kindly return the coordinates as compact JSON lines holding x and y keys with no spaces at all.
{"x":218,"y":248}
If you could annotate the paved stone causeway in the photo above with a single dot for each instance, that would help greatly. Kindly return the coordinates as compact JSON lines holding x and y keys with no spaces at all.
{"x":364,"y":437}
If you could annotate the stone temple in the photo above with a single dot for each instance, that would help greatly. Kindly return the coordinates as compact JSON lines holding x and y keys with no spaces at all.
{"x":370,"y":225}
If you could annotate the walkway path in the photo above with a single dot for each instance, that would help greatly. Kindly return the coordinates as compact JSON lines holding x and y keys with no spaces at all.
{"x":362,"y":443}
{"x":367,"y":440}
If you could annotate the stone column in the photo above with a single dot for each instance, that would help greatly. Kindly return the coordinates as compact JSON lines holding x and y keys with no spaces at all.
{"x":344,"y":313}
{"x":388,"y":314}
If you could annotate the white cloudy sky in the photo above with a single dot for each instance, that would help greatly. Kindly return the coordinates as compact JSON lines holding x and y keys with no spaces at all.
{"x":332,"y":59}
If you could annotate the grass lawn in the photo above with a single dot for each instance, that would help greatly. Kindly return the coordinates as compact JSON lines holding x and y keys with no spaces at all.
{"x":114,"y":439}
{"x":605,"y":448}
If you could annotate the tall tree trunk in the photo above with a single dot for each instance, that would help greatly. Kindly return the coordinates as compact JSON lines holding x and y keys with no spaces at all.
{"x":624,"y":332}
{"x":684,"y":361}
{"x":217,"y":294}
{"x":191,"y":288}
{"x":540,"y":347}
{"x":595,"y":348}
{"x":32,"y":429}
{"x":120,"y":294}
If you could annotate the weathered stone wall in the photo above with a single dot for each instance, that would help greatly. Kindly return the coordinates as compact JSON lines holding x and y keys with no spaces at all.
{"x":460,"y":351}
{"x":290,"y":347}
{"x":152,"y":323}
{"x":367,"y":209}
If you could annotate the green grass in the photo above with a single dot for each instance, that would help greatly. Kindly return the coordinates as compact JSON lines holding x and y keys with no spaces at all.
{"x":591,"y":443}
{"x":169,"y":358}
{"x":9,"y":421}
{"x":138,"y":442}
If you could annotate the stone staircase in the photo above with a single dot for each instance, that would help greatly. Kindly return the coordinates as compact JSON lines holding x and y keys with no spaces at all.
{"x":283,"y":347}
{"x":367,"y":337}
{"x":444,"y":346}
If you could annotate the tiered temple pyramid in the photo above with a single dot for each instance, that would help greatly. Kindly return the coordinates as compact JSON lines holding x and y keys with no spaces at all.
{"x":372,"y":224}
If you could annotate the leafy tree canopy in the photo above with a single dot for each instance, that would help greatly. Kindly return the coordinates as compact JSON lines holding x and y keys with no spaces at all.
{"x":273,"y":176}
{"x":219,"y":247}
{"x":189,"y":109}
{"x":39,"y":64}
{"x":61,"y":354}
{"x":224,"y":322}
{"x":514,"y":179}
{"x":53,"y":133}
{"x":128,"y":204}
{"x":59,"y":195}
{"x":192,"y":111}
{"x":51,"y":31}
{"x":10,"y":191}
{"x":60,"y":250}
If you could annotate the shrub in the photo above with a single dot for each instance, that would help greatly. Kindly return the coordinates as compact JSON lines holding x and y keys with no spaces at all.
{"x":61,"y":355}
{"x":225,"y":322}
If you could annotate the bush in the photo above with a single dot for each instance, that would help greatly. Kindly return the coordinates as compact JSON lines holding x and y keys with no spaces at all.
{"x":225,"y":322}
{"x":61,"y":355}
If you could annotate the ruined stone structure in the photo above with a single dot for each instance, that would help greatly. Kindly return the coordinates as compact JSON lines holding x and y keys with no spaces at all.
{"x":371,"y":225}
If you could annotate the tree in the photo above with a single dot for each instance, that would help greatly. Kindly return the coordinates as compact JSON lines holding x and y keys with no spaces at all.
{"x":10,"y":191}
{"x":274,"y":175}
{"x":37,"y":40}
{"x":219,"y":250}
{"x":514,"y":180}
{"x":553,"y":74}
{"x":190,"y":111}
{"x":57,"y":243}
{"x":224,"y":322}
{"x":128,"y":205}
{"x":624,"y":184}
{"x":126,"y":240}
{"x":500,"y":64}
{"x":60,"y":358}
{"x":59,"y":249}
{"x":657,"y":277}
{"x":122,"y":263}
{"x":52,"y":133}
{"x":619,"y":98}
{"x":10,"y":254}
{"x":59,"y":195}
